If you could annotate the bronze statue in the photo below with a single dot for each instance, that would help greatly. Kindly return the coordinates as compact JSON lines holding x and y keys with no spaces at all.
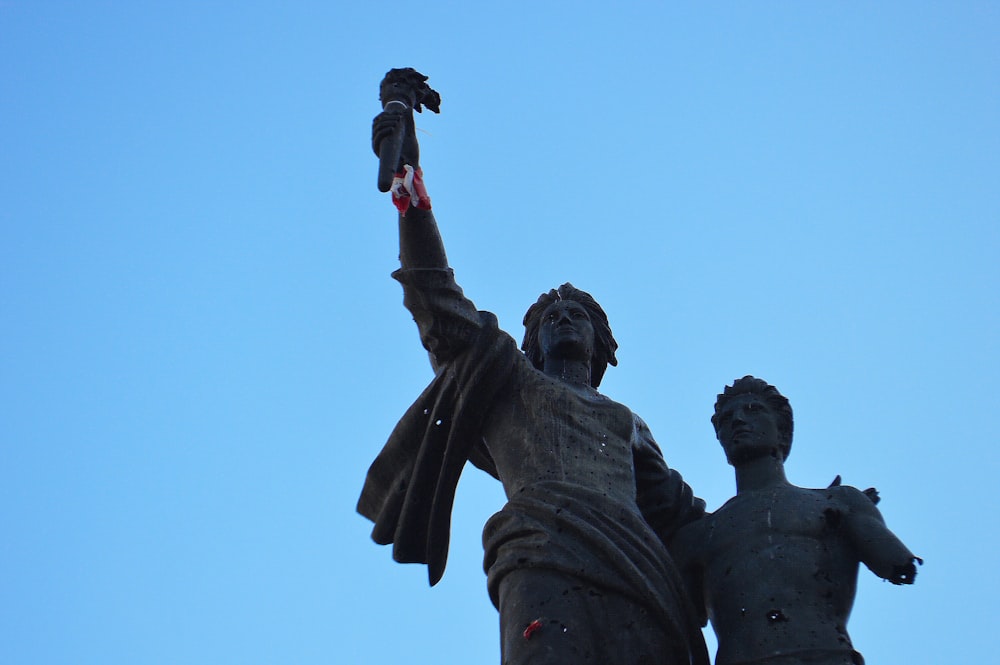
{"x":776,"y":567}
{"x":575,"y":561}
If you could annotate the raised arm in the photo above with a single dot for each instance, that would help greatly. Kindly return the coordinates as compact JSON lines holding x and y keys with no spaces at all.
{"x":420,"y":244}
{"x":877,"y":546}
{"x":448,"y":321}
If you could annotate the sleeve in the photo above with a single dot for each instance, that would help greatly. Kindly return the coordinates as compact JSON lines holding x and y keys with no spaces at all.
{"x":666,"y":501}
{"x":448,"y":322}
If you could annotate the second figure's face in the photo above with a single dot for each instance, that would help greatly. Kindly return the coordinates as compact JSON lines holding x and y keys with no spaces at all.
{"x":566,"y":332}
{"x":748,"y":428}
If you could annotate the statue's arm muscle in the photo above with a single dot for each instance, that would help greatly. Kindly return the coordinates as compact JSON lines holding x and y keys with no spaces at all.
{"x":877,"y":546}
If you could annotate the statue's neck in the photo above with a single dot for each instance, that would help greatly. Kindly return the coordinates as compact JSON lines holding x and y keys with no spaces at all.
{"x":760,"y":473}
{"x":574,"y":372}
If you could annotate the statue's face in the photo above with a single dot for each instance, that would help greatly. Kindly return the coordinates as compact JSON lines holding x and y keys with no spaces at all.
{"x":748,"y":428}
{"x":566,"y":332}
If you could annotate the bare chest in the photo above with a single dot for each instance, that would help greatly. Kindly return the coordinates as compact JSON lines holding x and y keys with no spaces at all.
{"x":773,"y":519}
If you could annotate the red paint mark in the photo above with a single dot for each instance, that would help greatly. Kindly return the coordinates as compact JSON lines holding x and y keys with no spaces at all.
{"x":532,"y":628}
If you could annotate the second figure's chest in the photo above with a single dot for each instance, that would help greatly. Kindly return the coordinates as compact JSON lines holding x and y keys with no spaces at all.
{"x":762,"y":516}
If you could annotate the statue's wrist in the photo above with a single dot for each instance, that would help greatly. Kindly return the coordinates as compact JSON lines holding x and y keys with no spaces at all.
{"x":408,"y":190}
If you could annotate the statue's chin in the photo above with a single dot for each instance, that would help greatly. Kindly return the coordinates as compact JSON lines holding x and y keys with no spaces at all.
{"x":749,"y":453}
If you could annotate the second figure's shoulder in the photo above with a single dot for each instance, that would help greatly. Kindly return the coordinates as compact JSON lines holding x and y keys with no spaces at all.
{"x":851,"y":498}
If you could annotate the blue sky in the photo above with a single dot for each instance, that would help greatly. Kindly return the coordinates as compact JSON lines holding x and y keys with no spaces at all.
{"x":203,"y":350}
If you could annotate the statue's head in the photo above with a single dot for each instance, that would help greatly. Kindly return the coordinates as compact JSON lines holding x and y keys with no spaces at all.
{"x":409,"y":85}
{"x":752,"y":418}
{"x":585,"y":330}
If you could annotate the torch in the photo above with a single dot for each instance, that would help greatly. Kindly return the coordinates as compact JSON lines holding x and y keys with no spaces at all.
{"x":401,"y":92}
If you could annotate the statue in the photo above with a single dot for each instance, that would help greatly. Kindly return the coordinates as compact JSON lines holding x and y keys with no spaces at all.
{"x":776,"y":567}
{"x":576,"y":563}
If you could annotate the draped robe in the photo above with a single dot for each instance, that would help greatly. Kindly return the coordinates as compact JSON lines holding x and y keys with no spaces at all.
{"x":578,"y":551}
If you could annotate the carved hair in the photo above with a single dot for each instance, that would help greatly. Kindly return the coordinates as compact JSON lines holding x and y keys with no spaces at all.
{"x":604,"y":342}
{"x":777,"y":402}
{"x":423,"y":93}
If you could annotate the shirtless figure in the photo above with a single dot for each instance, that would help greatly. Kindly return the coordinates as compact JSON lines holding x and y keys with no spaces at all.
{"x":775,"y":568}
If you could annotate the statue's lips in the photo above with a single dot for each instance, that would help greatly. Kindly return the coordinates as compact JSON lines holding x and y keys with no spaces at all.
{"x":566,"y":327}
{"x":566,"y":334}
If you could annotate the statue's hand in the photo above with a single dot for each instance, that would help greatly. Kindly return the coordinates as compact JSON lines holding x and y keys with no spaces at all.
{"x":383,"y":126}
{"x":906,"y":573}
{"x":388,"y":123}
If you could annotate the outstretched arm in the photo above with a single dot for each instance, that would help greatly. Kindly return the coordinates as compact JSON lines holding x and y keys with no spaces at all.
{"x":877,"y":546}
{"x":669,"y":505}
{"x":666,"y":501}
{"x":448,"y":321}
{"x":420,"y":244}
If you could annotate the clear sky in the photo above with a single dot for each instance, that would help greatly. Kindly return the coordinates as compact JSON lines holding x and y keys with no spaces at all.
{"x":203,"y":349}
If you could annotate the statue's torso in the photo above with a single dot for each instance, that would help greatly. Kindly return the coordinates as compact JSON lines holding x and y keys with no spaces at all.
{"x":542,"y":429}
{"x":779,"y":574}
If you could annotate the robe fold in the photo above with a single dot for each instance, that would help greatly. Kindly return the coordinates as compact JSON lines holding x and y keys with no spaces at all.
{"x":590,"y":499}
{"x":410,"y":487}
